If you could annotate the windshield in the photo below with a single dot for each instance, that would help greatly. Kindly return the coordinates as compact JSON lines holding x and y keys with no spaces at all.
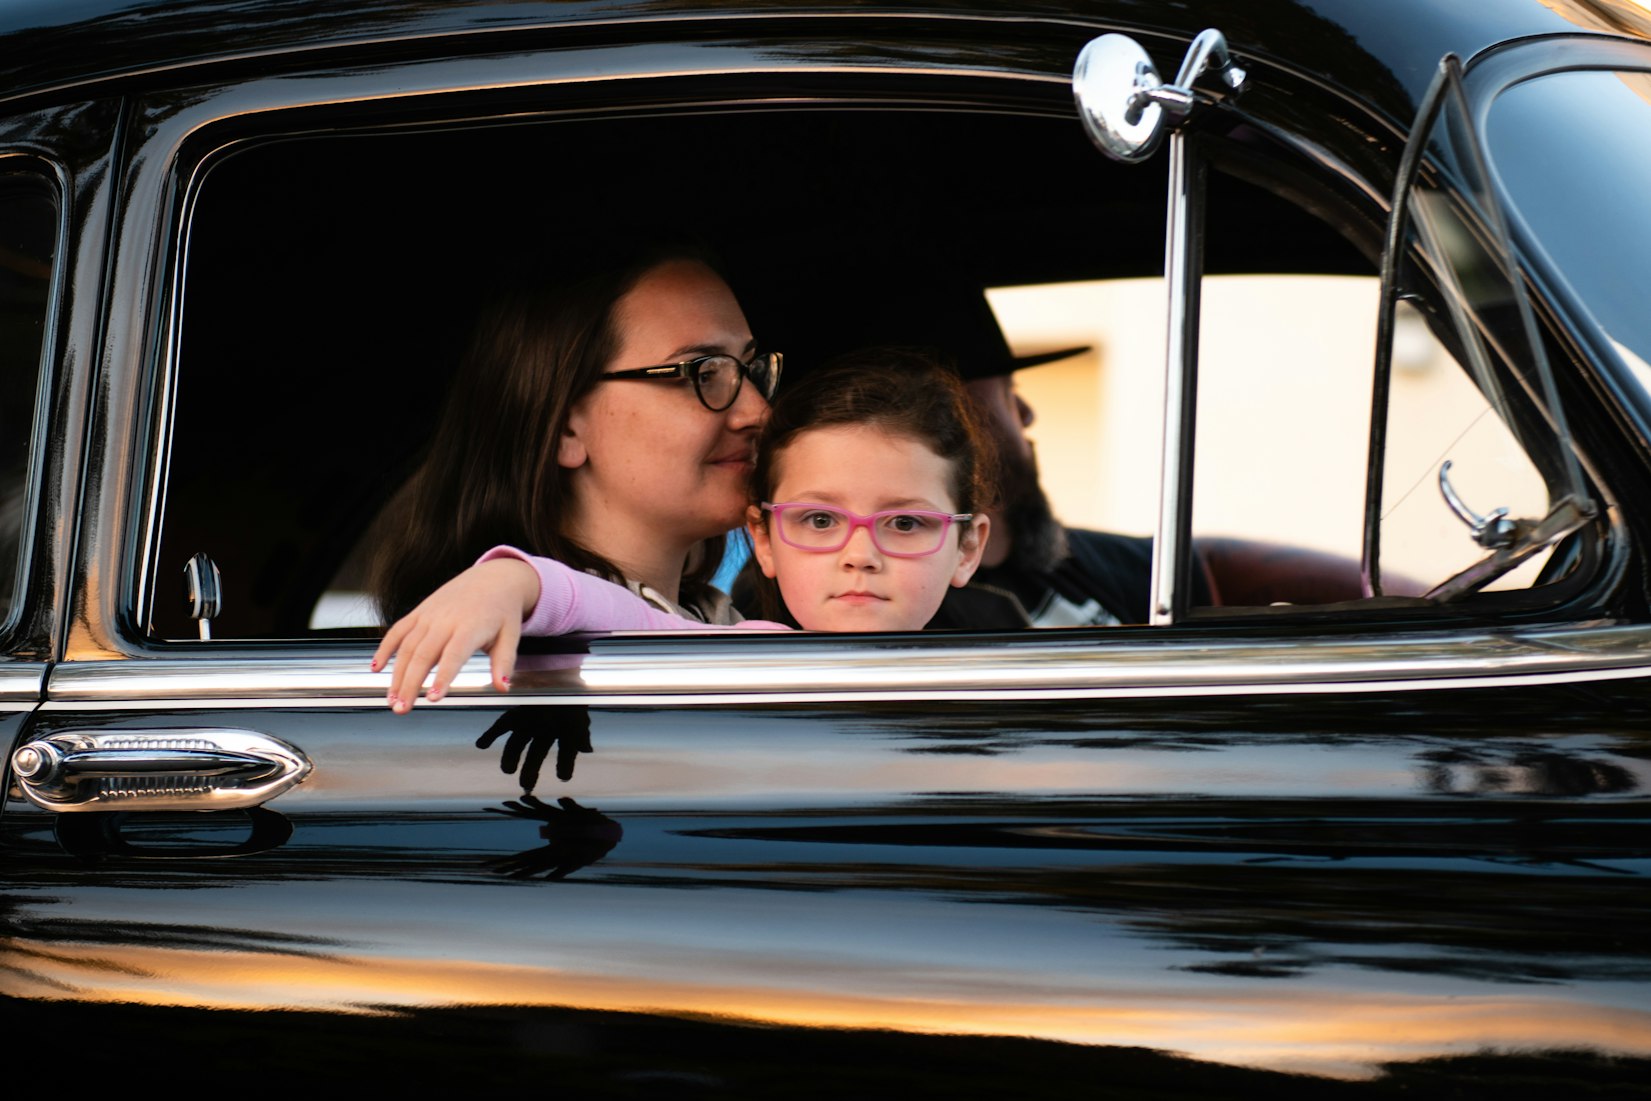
{"x":1584,"y":198}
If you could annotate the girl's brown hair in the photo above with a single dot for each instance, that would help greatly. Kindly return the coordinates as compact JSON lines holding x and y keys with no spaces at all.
{"x":903,"y":391}
{"x":908,"y":392}
{"x":491,"y":475}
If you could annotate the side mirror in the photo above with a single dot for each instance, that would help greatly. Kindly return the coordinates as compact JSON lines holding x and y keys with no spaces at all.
{"x":1123,"y":103}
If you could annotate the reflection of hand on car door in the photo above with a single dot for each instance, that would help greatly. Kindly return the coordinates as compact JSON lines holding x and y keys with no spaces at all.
{"x":577,"y":836}
{"x":534,"y":730}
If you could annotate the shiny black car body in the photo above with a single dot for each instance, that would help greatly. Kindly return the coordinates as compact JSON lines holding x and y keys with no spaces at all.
{"x":1391,"y":844}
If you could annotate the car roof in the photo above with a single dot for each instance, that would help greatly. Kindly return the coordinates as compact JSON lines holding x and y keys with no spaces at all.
{"x":58,"y":44}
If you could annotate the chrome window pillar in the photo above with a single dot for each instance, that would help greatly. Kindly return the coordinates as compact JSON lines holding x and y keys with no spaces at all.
{"x":1126,"y":111}
{"x":1183,"y":277}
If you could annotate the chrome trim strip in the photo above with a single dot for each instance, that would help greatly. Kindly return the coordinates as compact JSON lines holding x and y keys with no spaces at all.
{"x":530,"y":27}
{"x":753,"y":670}
{"x":22,"y":683}
{"x":515,"y":699}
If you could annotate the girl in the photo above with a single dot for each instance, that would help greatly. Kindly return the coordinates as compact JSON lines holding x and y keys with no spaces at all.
{"x":868,"y":486}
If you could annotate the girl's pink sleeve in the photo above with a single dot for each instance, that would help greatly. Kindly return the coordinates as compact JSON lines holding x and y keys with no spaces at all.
{"x":571,"y":600}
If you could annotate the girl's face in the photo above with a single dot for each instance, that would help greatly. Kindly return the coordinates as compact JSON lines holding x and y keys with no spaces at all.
{"x":864,"y":470}
{"x":650,"y":465}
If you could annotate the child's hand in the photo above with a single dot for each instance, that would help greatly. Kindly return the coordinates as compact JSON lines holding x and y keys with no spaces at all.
{"x":480,"y":609}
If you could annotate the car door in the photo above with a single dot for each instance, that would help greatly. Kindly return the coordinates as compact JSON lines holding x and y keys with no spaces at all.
{"x":1100,"y":840}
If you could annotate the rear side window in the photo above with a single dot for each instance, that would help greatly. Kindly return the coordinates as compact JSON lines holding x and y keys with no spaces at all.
{"x":28,"y":253}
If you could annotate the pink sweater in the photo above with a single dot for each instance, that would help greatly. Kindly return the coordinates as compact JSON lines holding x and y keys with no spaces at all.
{"x":571,"y":600}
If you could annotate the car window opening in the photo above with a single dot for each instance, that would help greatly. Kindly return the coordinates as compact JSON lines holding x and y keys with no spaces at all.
{"x":286,"y":492}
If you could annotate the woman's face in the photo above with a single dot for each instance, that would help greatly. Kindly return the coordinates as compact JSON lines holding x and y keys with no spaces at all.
{"x":650,"y":467}
{"x":864,"y":470}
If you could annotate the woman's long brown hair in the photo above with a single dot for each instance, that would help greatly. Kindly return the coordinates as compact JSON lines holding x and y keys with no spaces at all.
{"x":491,"y":475}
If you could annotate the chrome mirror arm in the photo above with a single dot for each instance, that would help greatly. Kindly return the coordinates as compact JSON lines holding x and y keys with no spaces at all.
{"x":1210,"y":44}
{"x":1176,"y":102}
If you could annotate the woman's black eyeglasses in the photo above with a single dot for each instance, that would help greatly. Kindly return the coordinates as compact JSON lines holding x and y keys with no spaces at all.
{"x":717,"y":378}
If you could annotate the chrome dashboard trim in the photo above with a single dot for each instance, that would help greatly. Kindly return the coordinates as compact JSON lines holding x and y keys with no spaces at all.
{"x":753,"y":670}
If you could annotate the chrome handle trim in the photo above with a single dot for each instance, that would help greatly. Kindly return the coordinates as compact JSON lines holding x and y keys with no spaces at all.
{"x":206,"y":769}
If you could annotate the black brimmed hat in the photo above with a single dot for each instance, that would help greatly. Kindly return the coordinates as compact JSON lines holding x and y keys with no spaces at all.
{"x":926,"y":310}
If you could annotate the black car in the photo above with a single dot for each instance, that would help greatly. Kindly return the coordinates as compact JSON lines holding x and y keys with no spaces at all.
{"x":1397,"y":842}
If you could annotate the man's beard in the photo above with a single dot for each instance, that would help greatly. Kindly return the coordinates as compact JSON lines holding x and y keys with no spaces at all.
{"x":1037,"y":541}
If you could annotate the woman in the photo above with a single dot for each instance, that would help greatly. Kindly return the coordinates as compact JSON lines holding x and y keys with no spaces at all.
{"x":609,"y":422}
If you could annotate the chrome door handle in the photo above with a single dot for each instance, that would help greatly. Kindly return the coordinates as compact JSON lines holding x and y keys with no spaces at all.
{"x":207,"y":769}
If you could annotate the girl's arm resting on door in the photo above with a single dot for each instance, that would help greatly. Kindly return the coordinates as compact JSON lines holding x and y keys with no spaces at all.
{"x":571,"y":600}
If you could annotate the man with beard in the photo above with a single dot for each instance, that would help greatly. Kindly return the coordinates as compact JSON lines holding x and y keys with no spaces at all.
{"x":1058,"y":576}
{"x":1069,"y":577}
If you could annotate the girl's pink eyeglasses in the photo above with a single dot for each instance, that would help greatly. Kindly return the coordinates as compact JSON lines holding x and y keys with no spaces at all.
{"x":897,"y":532}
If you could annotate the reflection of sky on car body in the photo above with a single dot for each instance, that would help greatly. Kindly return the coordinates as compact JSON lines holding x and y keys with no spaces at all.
{"x":775,"y":957}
